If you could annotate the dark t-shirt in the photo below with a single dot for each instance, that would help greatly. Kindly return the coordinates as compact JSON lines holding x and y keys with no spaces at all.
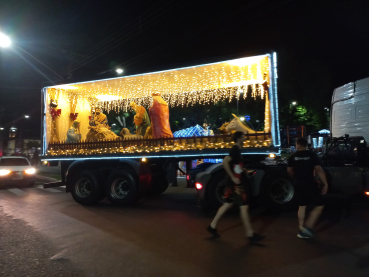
{"x":303,"y":163}
{"x":236,"y":162}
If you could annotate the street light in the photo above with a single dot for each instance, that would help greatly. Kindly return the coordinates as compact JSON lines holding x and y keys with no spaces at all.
{"x":119,"y":71}
{"x":26,"y":116}
{"x":242,"y":118}
{"x":4,"y":40}
{"x":294,"y":103}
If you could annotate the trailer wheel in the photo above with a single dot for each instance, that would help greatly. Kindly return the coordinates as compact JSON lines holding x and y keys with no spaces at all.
{"x":121,"y":188}
{"x":216,"y":189}
{"x":278,"y":193}
{"x":86,"y":188}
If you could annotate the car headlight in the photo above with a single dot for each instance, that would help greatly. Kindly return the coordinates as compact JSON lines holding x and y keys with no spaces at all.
{"x":31,"y":171}
{"x":4,"y":172}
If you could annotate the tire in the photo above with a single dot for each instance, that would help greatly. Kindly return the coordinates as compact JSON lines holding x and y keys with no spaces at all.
{"x":121,"y":188}
{"x":215,"y":191}
{"x":278,"y":193}
{"x":86,"y":188}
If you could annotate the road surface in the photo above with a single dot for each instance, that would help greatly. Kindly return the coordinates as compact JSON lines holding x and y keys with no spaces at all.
{"x":165,"y":236}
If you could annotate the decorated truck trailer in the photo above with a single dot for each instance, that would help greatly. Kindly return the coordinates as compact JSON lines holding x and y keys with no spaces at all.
{"x":97,"y":162}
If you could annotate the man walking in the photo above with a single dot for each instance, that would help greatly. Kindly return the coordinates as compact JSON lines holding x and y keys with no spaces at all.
{"x":301,"y":166}
{"x":235,"y":191}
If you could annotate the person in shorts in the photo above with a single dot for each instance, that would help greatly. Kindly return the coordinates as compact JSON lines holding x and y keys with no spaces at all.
{"x":235,"y":190}
{"x":301,"y":167}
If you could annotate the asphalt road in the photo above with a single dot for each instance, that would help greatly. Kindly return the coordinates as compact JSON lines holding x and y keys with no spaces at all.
{"x":165,"y":236}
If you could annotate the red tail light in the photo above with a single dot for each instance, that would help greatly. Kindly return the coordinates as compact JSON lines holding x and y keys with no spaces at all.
{"x":198,"y":186}
{"x":188,"y":177}
{"x":367,"y":193}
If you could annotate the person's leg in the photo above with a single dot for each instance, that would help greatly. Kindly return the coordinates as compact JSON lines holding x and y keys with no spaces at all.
{"x":313,"y":217}
{"x":221,"y":211}
{"x":301,"y":216}
{"x":246,"y":220}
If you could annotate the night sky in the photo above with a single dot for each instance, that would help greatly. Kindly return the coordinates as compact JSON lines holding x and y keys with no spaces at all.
{"x":320,"y":44}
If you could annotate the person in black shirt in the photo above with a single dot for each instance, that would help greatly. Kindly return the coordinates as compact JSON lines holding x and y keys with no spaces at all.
{"x":235,"y":190}
{"x":301,"y":167}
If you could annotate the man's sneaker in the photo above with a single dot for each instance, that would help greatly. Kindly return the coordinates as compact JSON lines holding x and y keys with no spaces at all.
{"x":256,"y":238}
{"x":301,"y":235}
{"x":308,"y":232}
{"x":213,"y":232}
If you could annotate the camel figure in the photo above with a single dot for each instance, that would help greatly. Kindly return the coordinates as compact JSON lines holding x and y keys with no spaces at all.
{"x":222,"y":128}
{"x":127,"y":135}
{"x":237,"y":125}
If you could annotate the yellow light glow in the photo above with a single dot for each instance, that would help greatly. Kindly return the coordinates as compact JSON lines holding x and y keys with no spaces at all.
{"x":4,"y":172}
{"x":245,"y":61}
{"x":143,"y":159}
{"x":272,"y":156}
{"x":108,"y":97}
{"x":66,"y":87}
{"x":30,"y":171}
{"x":243,"y":83}
{"x":202,"y":84}
{"x":367,"y":193}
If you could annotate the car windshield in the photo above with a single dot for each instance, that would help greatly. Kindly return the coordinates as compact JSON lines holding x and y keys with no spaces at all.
{"x":13,"y":162}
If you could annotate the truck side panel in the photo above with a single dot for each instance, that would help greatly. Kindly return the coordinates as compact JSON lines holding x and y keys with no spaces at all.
{"x":350,"y":110}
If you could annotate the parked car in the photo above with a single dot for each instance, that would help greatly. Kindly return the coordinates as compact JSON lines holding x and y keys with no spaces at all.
{"x":16,"y":170}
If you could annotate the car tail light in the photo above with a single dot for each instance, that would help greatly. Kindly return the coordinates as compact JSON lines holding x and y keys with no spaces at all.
{"x":198,"y":186}
{"x":4,"y":172}
{"x":367,"y":193}
{"x":188,"y":177}
{"x":30,"y":171}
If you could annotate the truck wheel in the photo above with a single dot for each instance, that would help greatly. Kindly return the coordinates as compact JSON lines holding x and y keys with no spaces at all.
{"x":86,"y":188}
{"x":216,"y":189}
{"x":121,"y":188}
{"x":278,"y":193}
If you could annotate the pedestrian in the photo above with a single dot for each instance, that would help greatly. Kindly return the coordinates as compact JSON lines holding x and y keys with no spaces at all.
{"x":236,"y":184}
{"x":301,"y":167}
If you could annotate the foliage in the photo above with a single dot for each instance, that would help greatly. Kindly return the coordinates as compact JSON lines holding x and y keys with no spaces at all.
{"x":32,"y":144}
{"x":311,"y":118}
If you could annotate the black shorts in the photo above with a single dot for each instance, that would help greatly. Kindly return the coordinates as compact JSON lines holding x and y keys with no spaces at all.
{"x":236,"y":194}
{"x":308,"y":194}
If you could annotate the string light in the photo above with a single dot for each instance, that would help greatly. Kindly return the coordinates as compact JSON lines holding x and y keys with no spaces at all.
{"x":187,"y":144}
{"x":181,"y":87}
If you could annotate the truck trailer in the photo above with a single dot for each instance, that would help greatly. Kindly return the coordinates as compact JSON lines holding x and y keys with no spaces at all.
{"x":98,"y":163}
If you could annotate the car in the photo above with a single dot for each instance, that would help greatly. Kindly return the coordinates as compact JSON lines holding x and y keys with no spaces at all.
{"x":191,"y":175}
{"x":16,"y":170}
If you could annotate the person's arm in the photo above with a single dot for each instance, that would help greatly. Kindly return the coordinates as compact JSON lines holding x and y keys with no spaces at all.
{"x":319,"y":171}
{"x":290,"y":171}
{"x":227,"y":168}
{"x":290,"y":165}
